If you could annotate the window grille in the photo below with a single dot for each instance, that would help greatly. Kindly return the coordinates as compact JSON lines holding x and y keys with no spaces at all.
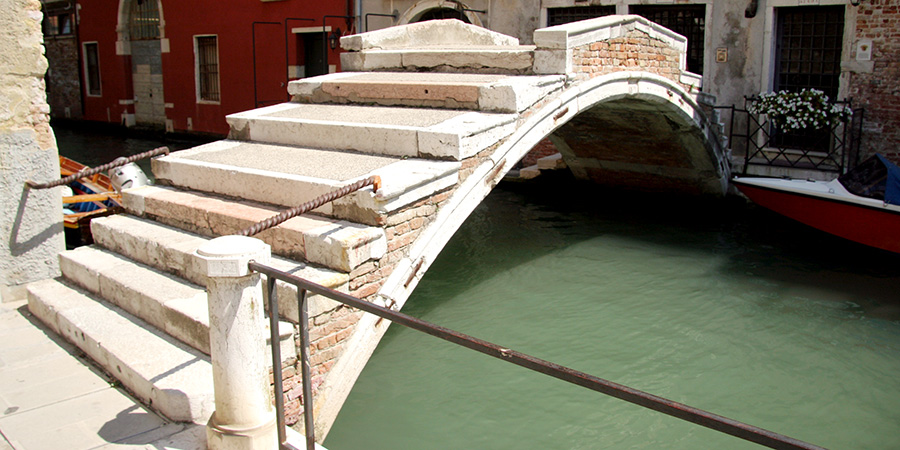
{"x":809,"y":48}
{"x":559,"y":16}
{"x":686,"y":20}
{"x":144,"y":20}
{"x":92,"y":68}
{"x":208,"y":68}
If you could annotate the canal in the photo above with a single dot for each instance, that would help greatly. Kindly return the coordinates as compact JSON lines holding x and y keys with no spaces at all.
{"x":717,"y":304}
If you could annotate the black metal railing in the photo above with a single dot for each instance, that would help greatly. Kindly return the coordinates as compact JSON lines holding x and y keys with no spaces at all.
{"x":834,"y":148}
{"x":700,"y":417}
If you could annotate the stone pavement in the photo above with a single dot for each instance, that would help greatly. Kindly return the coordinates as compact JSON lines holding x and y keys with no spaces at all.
{"x":52,"y":399}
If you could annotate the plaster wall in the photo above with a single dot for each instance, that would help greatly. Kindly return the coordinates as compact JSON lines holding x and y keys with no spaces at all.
{"x":30,"y":221}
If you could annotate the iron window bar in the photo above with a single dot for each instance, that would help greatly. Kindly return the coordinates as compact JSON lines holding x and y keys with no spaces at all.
{"x":679,"y":410}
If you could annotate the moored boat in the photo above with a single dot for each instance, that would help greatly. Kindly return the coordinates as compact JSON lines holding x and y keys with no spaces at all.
{"x":93,"y":196}
{"x":862,"y":205}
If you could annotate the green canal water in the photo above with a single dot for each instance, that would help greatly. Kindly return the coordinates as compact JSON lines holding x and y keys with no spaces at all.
{"x":717,"y":304}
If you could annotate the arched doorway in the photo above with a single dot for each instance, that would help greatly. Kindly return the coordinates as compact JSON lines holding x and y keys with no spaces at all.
{"x":140,"y":32}
{"x":439,"y":9}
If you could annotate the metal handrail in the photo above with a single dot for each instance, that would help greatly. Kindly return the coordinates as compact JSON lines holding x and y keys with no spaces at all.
{"x":698,"y":416}
{"x":264,"y":225}
{"x":87,"y":171}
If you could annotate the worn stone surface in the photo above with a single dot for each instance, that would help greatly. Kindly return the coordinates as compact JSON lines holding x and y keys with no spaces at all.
{"x":31,"y":223}
{"x":433,"y":33}
{"x":158,"y":370}
{"x":211,"y":216}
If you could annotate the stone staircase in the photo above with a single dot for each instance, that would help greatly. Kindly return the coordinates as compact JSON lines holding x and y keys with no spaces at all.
{"x":135,"y":302}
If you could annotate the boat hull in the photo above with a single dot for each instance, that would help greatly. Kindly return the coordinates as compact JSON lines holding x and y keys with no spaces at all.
{"x":864,"y":223}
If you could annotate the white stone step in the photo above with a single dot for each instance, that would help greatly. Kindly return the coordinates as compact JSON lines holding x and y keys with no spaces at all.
{"x":438,"y":45}
{"x":171,"y":250}
{"x":493,"y":93}
{"x":381,"y":130}
{"x":335,"y":244}
{"x":290,"y":176}
{"x":171,"y":305}
{"x":165,"y":374}
{"x":487,"y":59}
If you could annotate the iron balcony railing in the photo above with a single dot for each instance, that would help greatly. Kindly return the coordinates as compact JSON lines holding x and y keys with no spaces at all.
{"x":700,"y":417}
{"x":835,"y":148}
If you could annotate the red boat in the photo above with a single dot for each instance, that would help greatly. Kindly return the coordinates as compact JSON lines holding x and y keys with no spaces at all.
{"x":862,"y":205}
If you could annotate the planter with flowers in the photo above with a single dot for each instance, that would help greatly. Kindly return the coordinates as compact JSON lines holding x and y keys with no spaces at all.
{"x":808,"y":109}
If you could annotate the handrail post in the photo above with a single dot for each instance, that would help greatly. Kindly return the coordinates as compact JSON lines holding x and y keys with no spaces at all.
{"x":244,"y":418}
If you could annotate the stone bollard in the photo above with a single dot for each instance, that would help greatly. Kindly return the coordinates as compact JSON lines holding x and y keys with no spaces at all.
{"x":244,"y":418}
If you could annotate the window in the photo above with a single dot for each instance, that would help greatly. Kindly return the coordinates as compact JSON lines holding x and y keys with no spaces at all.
{"x":143,"y":20}
{"x":92,"y":68}
{"x":688,"y":21}
{"x":207,"y":57}
{"x":808,"y":51}
{"x":57,"y":25}
{"x":808,"y":55}
{"x":559,"y":16}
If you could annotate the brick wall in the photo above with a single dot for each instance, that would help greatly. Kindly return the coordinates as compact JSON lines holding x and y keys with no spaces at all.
{"x":636,"y":51}
{"x":878,"y":91}
{"x":63,"y":86}
{"x":329,"y":331}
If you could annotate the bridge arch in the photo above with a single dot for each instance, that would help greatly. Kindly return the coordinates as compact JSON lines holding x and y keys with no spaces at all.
{"x":657,"y":98}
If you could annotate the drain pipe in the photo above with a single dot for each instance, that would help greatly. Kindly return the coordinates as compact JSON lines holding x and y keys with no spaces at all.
{"x":357,"y":11}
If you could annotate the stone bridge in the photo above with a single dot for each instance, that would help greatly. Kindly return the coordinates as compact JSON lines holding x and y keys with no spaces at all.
{"x":441,"y":111}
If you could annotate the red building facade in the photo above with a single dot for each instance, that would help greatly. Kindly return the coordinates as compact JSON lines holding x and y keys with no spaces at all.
{"x":183,"y":66}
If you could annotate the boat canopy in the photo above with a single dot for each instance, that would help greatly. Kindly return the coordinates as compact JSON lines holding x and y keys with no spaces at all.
{"x":875,"y":178}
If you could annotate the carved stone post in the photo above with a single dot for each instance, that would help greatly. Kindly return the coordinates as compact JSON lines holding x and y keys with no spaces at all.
{"x":244,"y":418}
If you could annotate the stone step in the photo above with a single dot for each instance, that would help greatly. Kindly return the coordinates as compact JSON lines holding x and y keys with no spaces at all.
{"x":486,"y":59}
{"x":165,"y":374}
{"x":171,"y":250}
{"x":382,"y":130}
{"x":330,"y":243}
{"x":290,"y":176}
{"x":439,"y":45}
{"x":492,"y":93}
{"x":171,"y":305}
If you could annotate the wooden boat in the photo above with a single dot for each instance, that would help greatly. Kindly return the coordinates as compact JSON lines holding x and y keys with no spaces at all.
{"x":862,"y":205}
{"x":91,"y":197}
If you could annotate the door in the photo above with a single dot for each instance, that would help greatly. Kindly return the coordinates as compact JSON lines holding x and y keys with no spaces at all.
{"x":314,"y":51}
{"x":269,"y":64}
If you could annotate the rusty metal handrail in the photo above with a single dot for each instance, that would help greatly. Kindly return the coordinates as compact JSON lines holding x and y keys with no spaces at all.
{"x":679,"y":410}
{"x":264,"y":225}
{"x":87,"y":171}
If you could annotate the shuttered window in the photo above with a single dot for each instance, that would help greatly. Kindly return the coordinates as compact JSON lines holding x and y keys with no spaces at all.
{"x":207,"y":68}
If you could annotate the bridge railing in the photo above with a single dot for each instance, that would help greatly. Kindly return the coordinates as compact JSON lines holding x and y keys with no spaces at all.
{"x":700,"y":417}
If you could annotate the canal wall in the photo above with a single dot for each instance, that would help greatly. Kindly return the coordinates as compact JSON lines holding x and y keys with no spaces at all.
{"x":31,"y":221}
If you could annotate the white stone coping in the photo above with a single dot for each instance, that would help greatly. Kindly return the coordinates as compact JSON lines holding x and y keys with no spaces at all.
{"x":576,"y":34}
{"x":426,"y":34}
